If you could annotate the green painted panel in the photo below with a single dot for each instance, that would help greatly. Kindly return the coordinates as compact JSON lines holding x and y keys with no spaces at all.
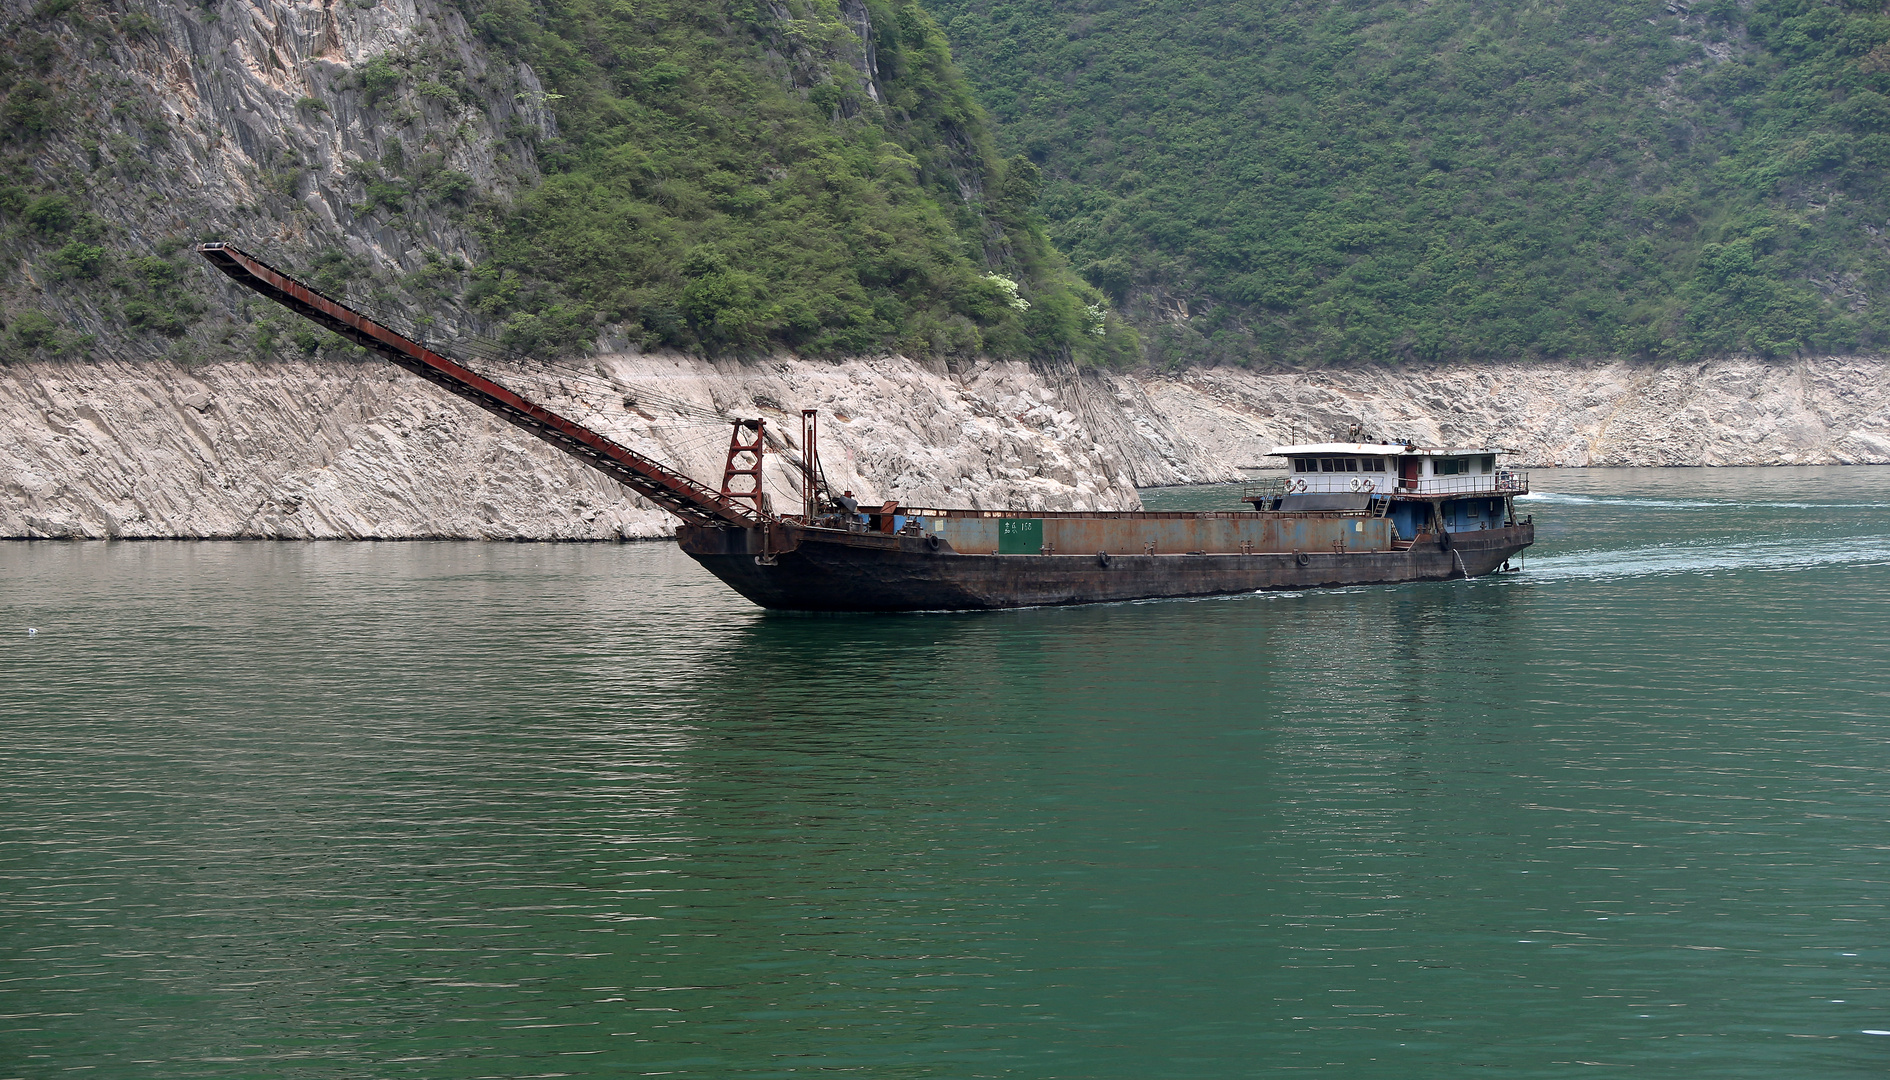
{"x":1020,"y":536}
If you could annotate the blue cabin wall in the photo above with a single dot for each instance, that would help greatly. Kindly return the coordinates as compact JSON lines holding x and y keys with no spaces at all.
{"x":1469,"y":515}
{"x":1409,"y":518}
{"x":1460,"y":515}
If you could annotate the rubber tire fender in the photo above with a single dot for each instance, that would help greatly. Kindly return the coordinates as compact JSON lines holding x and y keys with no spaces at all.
{"x":1102,"y":559}
{"x":932,"y":542}
{"x":1301,"y":558}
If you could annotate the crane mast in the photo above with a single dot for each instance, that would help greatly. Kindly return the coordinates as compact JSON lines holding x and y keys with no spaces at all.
{"x":686,"y":498}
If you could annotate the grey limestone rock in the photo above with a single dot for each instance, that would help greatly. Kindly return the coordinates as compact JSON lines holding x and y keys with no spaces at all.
{"x":309,"y":450}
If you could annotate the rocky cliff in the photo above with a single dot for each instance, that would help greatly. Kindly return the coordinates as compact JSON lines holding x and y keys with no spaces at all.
{"x":335,"y":450}
{"x":351,"y":137}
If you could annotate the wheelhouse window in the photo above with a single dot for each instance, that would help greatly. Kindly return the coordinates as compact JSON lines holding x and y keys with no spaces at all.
{"x":1486,"y":464}
{"x":1340,"y":465}
{"x":1451,"y":466}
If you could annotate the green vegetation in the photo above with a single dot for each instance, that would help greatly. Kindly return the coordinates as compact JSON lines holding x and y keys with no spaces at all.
{"x":1367,"y":180}
{"x":36,"y":333}
{"x":150,"y":293}
{"x":378,"y":78}
{"x":33,"y":330}
{"x":726,"y":181}
{"x":49,"y":215}
{"x":79,"y":260}
{"x":1299,"y":181}
{"x":157,"y":299}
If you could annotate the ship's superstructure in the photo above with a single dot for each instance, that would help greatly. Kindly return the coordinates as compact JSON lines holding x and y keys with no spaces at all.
{"x":1343,"y":514}
{"x":1421,"y":489}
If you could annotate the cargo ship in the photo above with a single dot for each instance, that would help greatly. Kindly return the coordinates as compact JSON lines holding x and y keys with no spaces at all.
{"x":1344,"y":513}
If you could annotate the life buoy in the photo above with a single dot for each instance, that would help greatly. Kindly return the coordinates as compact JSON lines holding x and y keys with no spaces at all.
{"x":1357,"y":484}
{"x":1368,"y":486}
{"x":932,"y":542}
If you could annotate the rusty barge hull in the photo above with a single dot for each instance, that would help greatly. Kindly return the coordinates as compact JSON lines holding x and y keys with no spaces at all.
{"x":798,"y":568}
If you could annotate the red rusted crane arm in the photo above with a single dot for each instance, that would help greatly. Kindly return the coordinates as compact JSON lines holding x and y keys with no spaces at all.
{"x":689,"y":500}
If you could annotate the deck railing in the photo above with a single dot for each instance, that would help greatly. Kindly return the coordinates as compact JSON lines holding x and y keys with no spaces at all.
{"x":1264,"y":487}
{"x":1501,"y":482}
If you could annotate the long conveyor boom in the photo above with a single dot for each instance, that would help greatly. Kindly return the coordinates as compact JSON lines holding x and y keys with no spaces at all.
{"x":688,"y":499}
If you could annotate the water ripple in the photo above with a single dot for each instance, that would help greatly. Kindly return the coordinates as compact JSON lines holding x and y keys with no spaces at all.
{"x":462,"y":810}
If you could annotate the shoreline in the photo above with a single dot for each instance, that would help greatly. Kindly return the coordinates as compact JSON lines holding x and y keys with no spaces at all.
{"x":306,"y":449}
{"x":628,"y":540}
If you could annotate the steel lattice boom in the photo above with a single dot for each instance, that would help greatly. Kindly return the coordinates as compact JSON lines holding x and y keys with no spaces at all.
{"x":689,"y":500}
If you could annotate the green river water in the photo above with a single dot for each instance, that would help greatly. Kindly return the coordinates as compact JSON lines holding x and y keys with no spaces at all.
{"x":486,"y":810}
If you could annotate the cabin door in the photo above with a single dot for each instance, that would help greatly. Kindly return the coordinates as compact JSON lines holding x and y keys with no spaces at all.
{"x":1409,"y":469}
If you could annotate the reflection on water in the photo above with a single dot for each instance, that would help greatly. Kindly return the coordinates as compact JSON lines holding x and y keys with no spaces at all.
{"x":453,"y":810}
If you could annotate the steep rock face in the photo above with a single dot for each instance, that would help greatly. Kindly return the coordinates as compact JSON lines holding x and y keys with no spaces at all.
{"x":297,"y":126}
{"x":338,"y":450}
{"x":362,"y":450}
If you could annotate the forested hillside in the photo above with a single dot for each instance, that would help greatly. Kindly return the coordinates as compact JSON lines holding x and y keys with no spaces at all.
{"x":1377,"y":180}
{"x":1251,"y":180}
{"x":739,"y":175}
{"x":717,"y":176}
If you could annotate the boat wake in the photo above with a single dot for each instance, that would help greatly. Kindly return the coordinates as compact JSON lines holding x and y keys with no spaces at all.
{"x":1763,"y":555}
{"x":1558,"y":498}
